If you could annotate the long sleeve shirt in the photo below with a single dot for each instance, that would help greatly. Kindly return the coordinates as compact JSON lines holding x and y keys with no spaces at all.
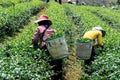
{"x":40,"y":30}
{"x":94,"y":35}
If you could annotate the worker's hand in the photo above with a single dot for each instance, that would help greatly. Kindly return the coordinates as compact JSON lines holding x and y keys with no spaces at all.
{"x":35,"y":46}
{"x":54,"y":31}
{"x":102,"y":47}
{"x":51,"y":31}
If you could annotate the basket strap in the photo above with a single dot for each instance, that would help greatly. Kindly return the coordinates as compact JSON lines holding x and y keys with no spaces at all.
{"x":42,"y":34}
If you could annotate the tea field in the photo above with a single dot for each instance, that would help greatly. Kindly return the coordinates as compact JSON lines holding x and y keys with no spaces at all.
{"x":20,"y":61}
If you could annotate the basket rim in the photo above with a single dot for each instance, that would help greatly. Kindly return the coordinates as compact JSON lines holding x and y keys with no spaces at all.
{"x":47,"y":40}
{"x":89,"y":40}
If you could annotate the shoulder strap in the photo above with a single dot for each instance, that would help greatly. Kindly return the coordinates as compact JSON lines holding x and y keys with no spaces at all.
{"x":42,"y":34}
{"x":45,"y":30}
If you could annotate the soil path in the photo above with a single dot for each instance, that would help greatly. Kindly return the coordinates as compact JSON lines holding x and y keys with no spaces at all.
{"x":71,"y":67}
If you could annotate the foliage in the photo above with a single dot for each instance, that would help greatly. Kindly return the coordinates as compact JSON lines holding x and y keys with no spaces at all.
{"x":104,"y":66}
{"x":56,"y":35}
{"x":20,"y":61}
{"x":8,"y":3}
{"x":84,"y":40}
{"x":13,"y":18}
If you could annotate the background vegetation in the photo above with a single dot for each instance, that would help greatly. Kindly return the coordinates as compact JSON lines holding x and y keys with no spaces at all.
{"x":18,"y":59}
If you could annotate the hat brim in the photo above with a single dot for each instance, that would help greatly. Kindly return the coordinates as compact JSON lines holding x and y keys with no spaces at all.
{"x":41,"y":21}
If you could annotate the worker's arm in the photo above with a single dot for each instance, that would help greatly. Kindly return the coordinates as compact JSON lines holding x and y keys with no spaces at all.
{"x":35,"y":37}
{"x":100,"y":39}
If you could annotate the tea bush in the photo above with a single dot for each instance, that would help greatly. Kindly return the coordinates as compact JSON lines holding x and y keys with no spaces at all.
{"x":13,"y":18}
{"x":104,"y":66}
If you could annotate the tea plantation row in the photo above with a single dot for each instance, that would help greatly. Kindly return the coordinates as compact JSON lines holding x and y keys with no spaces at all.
{"x":106,"y":65}
{"x":18,"y":58}
{"x":8,"y":3}
{"x":20,"y":61}
{"x":109,"y":16}
{"x":15,"y":17}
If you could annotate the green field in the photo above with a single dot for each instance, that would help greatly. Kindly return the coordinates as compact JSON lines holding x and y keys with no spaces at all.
{"x":19,"y":60}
